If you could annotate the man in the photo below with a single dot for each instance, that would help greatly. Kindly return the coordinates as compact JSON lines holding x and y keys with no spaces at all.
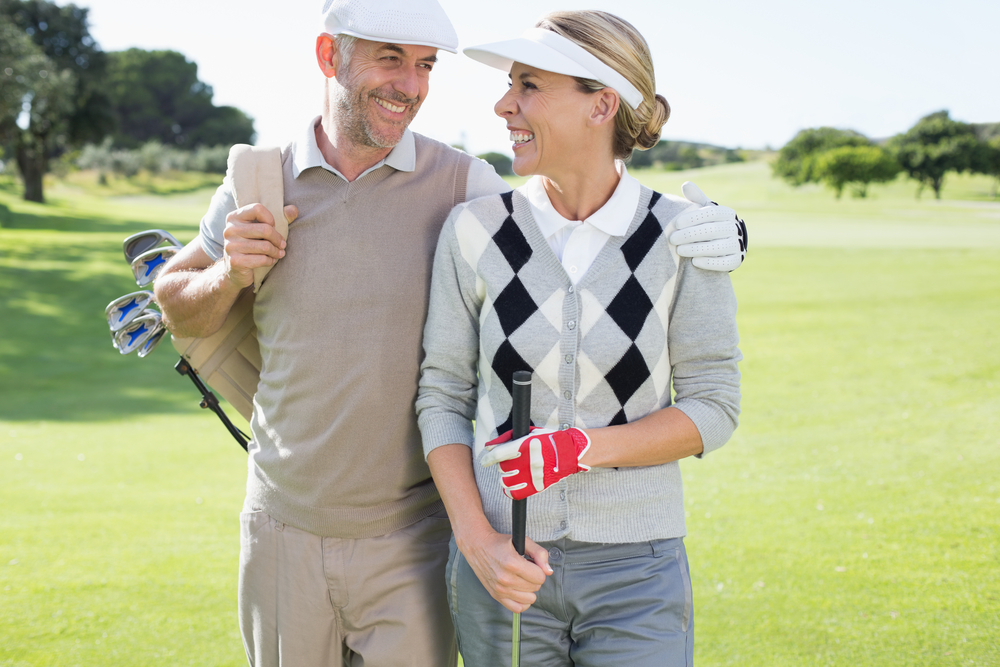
{"x":343,"y":535}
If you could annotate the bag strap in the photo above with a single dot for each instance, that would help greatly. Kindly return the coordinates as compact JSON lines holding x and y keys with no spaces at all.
{"x":256,"y":177}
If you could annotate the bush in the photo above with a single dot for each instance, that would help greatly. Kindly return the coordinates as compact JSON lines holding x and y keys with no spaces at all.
{"x":209,"y":159}
{"x":796,"y":161}
{"x":857,"y":165}
{"x":153,"y":157}
{"x":125,"y":162}
{"x":97,"y":157}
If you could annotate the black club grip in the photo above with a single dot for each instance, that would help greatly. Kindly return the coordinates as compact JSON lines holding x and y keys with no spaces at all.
{"x":521,"y":419}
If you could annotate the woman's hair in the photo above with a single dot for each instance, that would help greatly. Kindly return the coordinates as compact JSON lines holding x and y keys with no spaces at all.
{"x":620,"y":46}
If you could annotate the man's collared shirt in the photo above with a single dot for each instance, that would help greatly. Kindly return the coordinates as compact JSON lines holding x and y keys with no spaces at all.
{"x":578,"y":242}
{"x":306,"y":154}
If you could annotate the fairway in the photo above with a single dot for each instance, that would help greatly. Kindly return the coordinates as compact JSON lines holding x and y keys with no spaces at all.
{"x":852,"y":520}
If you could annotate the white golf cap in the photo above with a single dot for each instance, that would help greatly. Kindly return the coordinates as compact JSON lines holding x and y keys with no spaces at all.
{"x":420,"y":22}
{"x":552,"y":52}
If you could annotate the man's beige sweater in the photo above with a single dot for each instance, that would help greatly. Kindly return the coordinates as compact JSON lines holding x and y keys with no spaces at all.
{"x":335,"y":448}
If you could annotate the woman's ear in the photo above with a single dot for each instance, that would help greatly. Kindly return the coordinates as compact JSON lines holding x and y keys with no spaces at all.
{"x":604,"y":108}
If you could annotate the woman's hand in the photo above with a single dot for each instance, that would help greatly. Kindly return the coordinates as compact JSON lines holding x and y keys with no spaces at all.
{"x":511,"y":579}
{"x":538,"y":460}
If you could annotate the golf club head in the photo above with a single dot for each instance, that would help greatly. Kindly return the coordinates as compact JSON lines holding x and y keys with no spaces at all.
{"x":138,"y":330}
{"x":148,"y":265}
{"x":154,"y":338}
{"x":145,"y":241}
{"x":124,"y":309}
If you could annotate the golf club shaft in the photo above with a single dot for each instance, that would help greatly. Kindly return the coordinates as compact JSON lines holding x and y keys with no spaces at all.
{"x":520,"y":426}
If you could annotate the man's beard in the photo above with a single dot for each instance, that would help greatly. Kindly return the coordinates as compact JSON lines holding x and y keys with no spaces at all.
{"x":353,"y":107}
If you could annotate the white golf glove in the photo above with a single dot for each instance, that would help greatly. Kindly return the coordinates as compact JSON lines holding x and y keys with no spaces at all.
{"x":712,"y":235}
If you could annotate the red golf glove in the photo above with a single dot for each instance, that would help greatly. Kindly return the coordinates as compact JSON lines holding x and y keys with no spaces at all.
{"x":538,"y":460}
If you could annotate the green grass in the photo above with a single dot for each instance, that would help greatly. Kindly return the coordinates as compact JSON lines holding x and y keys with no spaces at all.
{"x":852,"y":520}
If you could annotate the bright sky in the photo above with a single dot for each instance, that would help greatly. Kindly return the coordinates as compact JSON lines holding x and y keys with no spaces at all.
{"x":736,"y":73}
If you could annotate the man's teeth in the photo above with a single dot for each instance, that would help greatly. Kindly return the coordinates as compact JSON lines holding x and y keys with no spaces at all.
{"x":388,"y":105}
{"x":521,"y":137}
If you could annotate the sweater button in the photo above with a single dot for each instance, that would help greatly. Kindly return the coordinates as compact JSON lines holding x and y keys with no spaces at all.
{"x":567,"y":395}
{"x":569,"y":358}
{"x":571,"y":325}
{"x":570,"y":290}
{"x":564,"y":426}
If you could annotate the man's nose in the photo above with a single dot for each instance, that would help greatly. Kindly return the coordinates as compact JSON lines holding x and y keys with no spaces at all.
{"x":408,"y":83}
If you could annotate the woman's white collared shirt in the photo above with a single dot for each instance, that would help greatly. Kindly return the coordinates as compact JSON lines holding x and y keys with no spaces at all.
{"x":578,"y":242}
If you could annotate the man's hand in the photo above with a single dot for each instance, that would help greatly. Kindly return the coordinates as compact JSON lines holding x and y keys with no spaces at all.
{"x":712,"y":235}
{"x":538,"y":460}
{"x":251,"y":242}
{"x":509,"y":578}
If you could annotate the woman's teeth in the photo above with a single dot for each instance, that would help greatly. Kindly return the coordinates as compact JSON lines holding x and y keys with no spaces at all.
{"x":391,"y":107}
{"x":521,"y":137}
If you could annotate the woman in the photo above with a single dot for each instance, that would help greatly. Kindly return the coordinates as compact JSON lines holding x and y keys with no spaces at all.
{"x":571,"y":276}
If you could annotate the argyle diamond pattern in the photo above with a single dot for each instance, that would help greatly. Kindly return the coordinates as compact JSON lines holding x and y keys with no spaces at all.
{"x":616,"y":339}
{"x":630,"y":310}
{"x":513,"y":305}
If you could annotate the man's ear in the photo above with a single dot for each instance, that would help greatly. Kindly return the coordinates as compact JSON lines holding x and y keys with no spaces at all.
{"x":327,"y":55}
{"x":604,"y":108}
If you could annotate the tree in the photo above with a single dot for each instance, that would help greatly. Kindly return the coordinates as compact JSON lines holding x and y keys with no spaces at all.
{"x":796,"y":162}
{"x":860,"y":165}
{"x":58,"y":81}
{"x":933,"y":147}
{"x":37,"y":102}
{"x":502,"y":164}
{"x":988,"y":160}
{"x":64,"y":36}
{"x":156,"y":96}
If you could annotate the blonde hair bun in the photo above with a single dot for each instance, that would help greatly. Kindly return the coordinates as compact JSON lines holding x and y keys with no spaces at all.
{"x":649,"y":135}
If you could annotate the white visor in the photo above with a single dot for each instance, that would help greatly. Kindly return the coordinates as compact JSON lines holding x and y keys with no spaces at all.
{"x":552,"y":52}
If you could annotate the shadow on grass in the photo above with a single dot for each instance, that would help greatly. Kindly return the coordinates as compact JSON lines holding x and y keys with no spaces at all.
{"x":67,"y":223}
{"x":56,"y":358}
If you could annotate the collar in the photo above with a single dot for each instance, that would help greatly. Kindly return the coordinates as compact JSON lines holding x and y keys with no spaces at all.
{"x":614,"y":218}
{"x":306,"y":153}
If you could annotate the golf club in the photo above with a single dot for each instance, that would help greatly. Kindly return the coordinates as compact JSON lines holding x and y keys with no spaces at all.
{"x":520,"y":416}
{"x":148,"y":265}
{"x":138,"y":330}
{"x":124,"y":309}
{"x":158,"y":334}
{"x":142,"y":242}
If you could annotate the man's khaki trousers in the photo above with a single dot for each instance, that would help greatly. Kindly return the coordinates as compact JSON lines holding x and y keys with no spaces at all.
{"x":313,"y":601}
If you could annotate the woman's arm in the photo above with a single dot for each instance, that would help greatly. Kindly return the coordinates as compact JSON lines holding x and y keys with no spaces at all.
{"x":446,"y":402}
{"x":508,"y":577}
{"x":661,"y":437}
{"x":702,"y":340}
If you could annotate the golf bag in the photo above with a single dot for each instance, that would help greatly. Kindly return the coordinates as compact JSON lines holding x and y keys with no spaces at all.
{"x":229,"y":360}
